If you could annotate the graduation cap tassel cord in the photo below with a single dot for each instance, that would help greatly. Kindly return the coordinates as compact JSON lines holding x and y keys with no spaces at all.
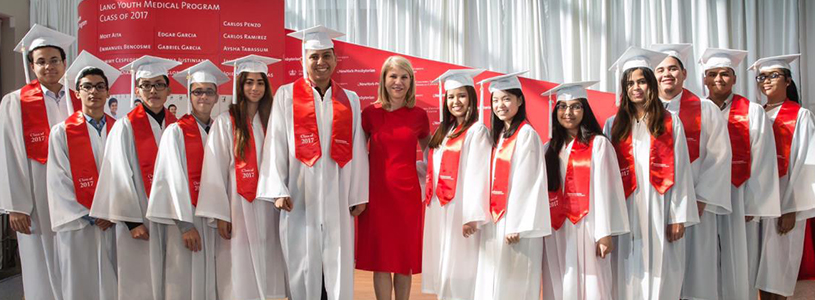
{"x":25,"y":67}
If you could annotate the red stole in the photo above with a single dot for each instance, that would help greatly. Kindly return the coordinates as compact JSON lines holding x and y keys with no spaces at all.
{"x":194,"y":148}
{"x":84,"y":171}
{"x":35,"y":120}
{"x":306,"y":134}
{"x":500,"y":179}
{"x":738,"y":125}
{"x":783,"y":130}
{"x":145,"y":142}
{"x":246,"y":169}
{"x":572,"y":200}
{"x":690,"y":112}
{"x":661,"y":160}
{"x":448,"y":175}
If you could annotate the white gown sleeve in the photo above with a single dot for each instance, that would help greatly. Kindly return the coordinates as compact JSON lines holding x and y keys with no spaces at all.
{"x":714,"y":171}
{"x":358,"y":193}
{"x":528,"y":200}
{"x":682,"y":207}
{"x":799,"y":195}
{"x":476,"y":177}
{"x":66,"y":212}
{"x":274,"y":168}
{"x":15,"y":190}
{"x":213,"y":197}
{"x":607,"y":194}
{"x":116,"y":198}
{"x":170,"y":198}
{"x":761,"y":196}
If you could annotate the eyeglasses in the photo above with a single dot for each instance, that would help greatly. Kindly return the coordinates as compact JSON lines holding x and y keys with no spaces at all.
{"x":774,"y":76}
{"x":573,"y":107}
{"x":160,"y":86}
{"x":87,"y":87}
{"x":43,"y":63}
{"x":199,"y":93}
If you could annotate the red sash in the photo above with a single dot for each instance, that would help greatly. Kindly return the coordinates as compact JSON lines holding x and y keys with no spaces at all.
{"x":84,"y":171}
{"x":194,"y":149}
{"x":35,"y":122}
{"x":246,"y":169}
{"x":572,"y":200}
{"x":661,"y":161}
{"x":690,"y":112}
{"x":500,"y":178}
{"x":448,"y":175}
{"x":306,"y":135}
{"x":783,"y":130}
{"x":145,"y":142}
{"x":738,"y":125}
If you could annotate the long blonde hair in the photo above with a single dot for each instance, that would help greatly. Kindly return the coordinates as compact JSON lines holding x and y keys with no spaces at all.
{"x":396,"y":62}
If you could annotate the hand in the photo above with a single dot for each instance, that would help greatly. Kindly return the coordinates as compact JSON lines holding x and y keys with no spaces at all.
{"x":469,"y":228}
{"x":283,"y":203}
{"x":225,"y":229}
{"x":701,"y":207}
{"x":786,"y":223}
{"x":604,"y":247}
{"x":140,"y":233}
{"x":356,"y":210}
{"x":103,"y":224}
{"x":513,"y":238}
{"x":748,"y":218}
{"x":192,"y":240}
{"x":675,"y":232}
{"x":20,"y":222}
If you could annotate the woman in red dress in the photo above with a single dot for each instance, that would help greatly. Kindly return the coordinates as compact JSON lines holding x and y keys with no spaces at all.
{"x":390,"y":230}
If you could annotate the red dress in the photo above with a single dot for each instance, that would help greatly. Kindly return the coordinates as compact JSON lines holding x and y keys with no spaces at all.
{"x":390,"y":230}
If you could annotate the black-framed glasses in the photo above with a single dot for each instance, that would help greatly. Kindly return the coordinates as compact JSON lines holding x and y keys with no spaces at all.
{"x":774,"y":76}
{"x":43,"y":62}
{"x":208,"y":93}
{"x":573,"y":107}
{"x":159,"y":86}
{"x":87,"y":87}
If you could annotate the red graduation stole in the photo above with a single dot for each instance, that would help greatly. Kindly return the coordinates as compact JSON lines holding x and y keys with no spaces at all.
{"x":448,"y":175}
{"x":35,"y":120}
{"x":500,"y":179}
{"x":783,"y":130}
{"x":246,"y":169}
{"x":572,"y":200}
{"x":84,"y":171}
{"x":194,"y":149}
{"x":690,"y":112}
{"x":738,"y":125}
{"x":661,"y":161}
{"x":306,"y":135}
{"x":145,"y":142}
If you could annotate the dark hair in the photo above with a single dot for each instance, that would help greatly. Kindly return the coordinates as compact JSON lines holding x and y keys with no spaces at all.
{"x":621,"y":127}
{"x":792,"y":89}
{"x":30,"y":55}
{"x":91,"y":71}
{"x":137,"y":100}
{"x":520,"y":116}
{"x":240,"y":115}
{"x":112,"y":100}
{"x":166,"y":80}
{"x":448,"y":121}
{"x":171,"y":106}
{"x":679,"y":61}
{"x":588,"y":129}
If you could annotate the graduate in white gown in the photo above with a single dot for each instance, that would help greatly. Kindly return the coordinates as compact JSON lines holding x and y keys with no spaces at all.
{"x":456,"y":190}
{"x":754,"y":179}
{"x":658,"y":182}
{"x":511,"y":246}
{"x":126,"y":177}
{"x":588,"y":205}
{"x":86,"y":246}
{"x":189,"y":261}
{"x":794,"y":130}
{"x":710,"y":156}
{"x":27,"y":117}
{"x":249,"y":260}
{"x":315,"y":168}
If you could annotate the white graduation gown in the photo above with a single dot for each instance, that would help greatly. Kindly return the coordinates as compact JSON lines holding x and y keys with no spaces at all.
{"x":249,"y":265}
{"x":187,"y":275}
{"x":87,"y":255}
{"x":781,"y":254}
{"x":449,"y":260}
{"x":318,"y":234}
{"x":646,"y":265}
{"x":757,"y":197}
{"x":23,"y":190}
{"x":571,"y":267}
{"x":514,"y":271}
{"x":120,"y":197}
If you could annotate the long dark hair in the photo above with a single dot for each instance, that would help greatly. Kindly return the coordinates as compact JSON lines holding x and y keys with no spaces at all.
{"x":792,"y":89}
{"x":520,"y":116}
{"x":448,"y":121}
{"x":588,"y":128}
{"x":627,"y":111}
{"x":241,"y":116}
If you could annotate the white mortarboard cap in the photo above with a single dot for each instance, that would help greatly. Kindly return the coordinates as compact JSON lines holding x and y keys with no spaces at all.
{"x":41,"y":36}
{"x":636,"y":57}
{"x":86,"y":60}
{"x":251,"y":63}
{"x":147,"y":66}
{"x":317,"y":38}
{"x":497,"y":83}
{"x":679,"y":51}
{"x":774,"y":62}
{"x":565,"y":92}
{"x":453,"y":79}
{"x":721,"y":58}
{"x":203,"y":72}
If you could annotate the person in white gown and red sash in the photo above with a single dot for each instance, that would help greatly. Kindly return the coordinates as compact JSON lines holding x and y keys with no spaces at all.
{"x":587,"y":201}
{"x":657,"y":180}
{"x":782,"y":241}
